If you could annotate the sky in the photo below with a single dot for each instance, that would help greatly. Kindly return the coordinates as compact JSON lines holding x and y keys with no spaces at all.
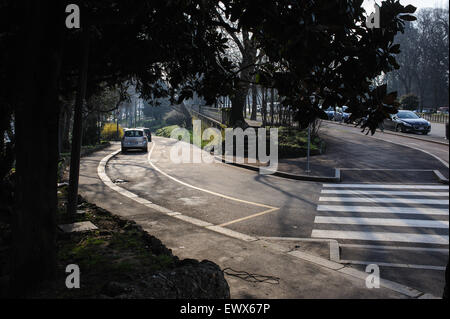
{"x":368,"y":4}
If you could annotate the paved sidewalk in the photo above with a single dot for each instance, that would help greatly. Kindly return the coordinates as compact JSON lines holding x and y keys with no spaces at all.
{"x":298,"y":278}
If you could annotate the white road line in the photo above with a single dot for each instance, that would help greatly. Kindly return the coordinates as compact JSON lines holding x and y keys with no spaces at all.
{"x":407,"y":248}
{"x":202,"y":189}
{"x":383,"y":210}
{"x":416,"y":148}
{"x":385,"y":200}
{"x":386,"y":186}
{"x":358,"y":262}
{"x":381,"y":236}
{"x":387,"y":193}
{"x":382,"y":222}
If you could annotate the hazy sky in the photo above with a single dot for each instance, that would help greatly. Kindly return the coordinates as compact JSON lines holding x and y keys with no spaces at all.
{"x":368,"y":4}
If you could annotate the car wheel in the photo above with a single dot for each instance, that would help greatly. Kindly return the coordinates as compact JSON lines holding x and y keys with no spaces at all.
{"x":124,"y":150}
{"x":145,"y":150}
{"x":397,"y":128}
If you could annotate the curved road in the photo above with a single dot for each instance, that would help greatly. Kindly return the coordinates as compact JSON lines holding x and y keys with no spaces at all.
{"x":281,"y":209}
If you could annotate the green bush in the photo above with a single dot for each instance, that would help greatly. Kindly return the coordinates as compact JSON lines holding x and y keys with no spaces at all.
{"x":109,"y":132}
{"x":165,"y":131}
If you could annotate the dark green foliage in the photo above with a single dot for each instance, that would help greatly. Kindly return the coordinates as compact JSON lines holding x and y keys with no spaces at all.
{"x":321,"y":53}
{"x":409,"y":102}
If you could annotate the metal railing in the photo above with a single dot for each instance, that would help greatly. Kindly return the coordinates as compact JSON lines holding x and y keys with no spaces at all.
{"x":435,"y":118}
{"x":211,"y":113}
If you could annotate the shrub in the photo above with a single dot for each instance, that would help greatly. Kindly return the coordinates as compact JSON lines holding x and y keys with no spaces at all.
{"x":165,"y":131}
{"x":109,"y":132}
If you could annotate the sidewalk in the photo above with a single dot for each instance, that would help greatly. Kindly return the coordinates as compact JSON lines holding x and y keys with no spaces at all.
{"x":298,"y":278}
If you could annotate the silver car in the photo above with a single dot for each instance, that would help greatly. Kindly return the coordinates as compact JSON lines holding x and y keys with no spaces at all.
{"x":134,"y":139}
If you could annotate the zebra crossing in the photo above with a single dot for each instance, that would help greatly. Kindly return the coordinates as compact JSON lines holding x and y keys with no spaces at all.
{"x":383,"y":213}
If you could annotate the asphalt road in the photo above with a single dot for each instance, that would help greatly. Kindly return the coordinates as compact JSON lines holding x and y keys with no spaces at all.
{"x":405,"y":233}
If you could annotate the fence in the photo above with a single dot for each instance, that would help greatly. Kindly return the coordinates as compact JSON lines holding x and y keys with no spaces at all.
{"x":211,"y":114}
{"x":435,"y":118}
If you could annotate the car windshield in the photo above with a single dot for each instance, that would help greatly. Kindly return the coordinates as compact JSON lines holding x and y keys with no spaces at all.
{"x":407,"y":115}
{"x":134,"y":133}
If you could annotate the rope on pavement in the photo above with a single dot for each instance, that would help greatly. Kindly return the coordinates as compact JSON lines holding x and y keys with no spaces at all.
{"x":251,"y":277}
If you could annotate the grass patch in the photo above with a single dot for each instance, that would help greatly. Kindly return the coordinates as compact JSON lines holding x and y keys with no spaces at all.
{"x":294,"y":143}
{"x":118,"y":251}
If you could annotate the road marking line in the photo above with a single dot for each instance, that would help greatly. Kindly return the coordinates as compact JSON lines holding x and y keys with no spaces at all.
{"x":358,"y":262}
{"x":382,"y":222}
{"x":385,"y":169}
{"x":232,"y":233}
{"x":383,"y":210}
{"x":248,"y":217}
{"x":202,"y":189}
{"x":415,"y":148}
{"x":393,"y":193}
{"x":192,"y":220}
{"x":387,"y":186}
{"x":381,"y":236}
{"x":439,"y":250}
{"x":385,"y":200}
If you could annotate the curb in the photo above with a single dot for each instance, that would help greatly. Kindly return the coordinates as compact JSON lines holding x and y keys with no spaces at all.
{"x":323,"y":262}
{"x":310,"y":178}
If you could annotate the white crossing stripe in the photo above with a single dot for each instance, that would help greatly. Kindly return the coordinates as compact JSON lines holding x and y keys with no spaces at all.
{"x":381,"y":236}
{"x":383,"y":210}
{"x":385,"y":200}
{"x":387,"y":193}
{"x":341,"y":202}
{"x":386,"y":186}
{"x":382,"y":222}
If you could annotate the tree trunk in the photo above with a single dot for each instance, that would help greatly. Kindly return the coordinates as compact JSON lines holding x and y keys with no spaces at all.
{"x":271,"y":106}
{"x":36,"y":127}
{"x":237,"y":109}
{"x":77,"y":127}
{"x":254,"y":108}
{"x":66,"y":129}
{"x":264,"y":105}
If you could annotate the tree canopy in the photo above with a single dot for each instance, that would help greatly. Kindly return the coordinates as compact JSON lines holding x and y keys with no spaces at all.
{"x":320,"y":53}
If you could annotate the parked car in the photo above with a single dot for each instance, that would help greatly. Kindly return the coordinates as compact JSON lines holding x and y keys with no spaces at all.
{"x":330,"y":113}
{"x":134,"y":139}
{"x":407,"y":121}
{"x":442,"y":110}
{"x":343,"y":115}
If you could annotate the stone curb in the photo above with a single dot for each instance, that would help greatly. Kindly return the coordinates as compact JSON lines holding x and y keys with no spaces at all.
{"x":310,"y":178}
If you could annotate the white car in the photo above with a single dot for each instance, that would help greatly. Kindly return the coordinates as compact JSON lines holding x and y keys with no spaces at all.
{"x":134,"y":139}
